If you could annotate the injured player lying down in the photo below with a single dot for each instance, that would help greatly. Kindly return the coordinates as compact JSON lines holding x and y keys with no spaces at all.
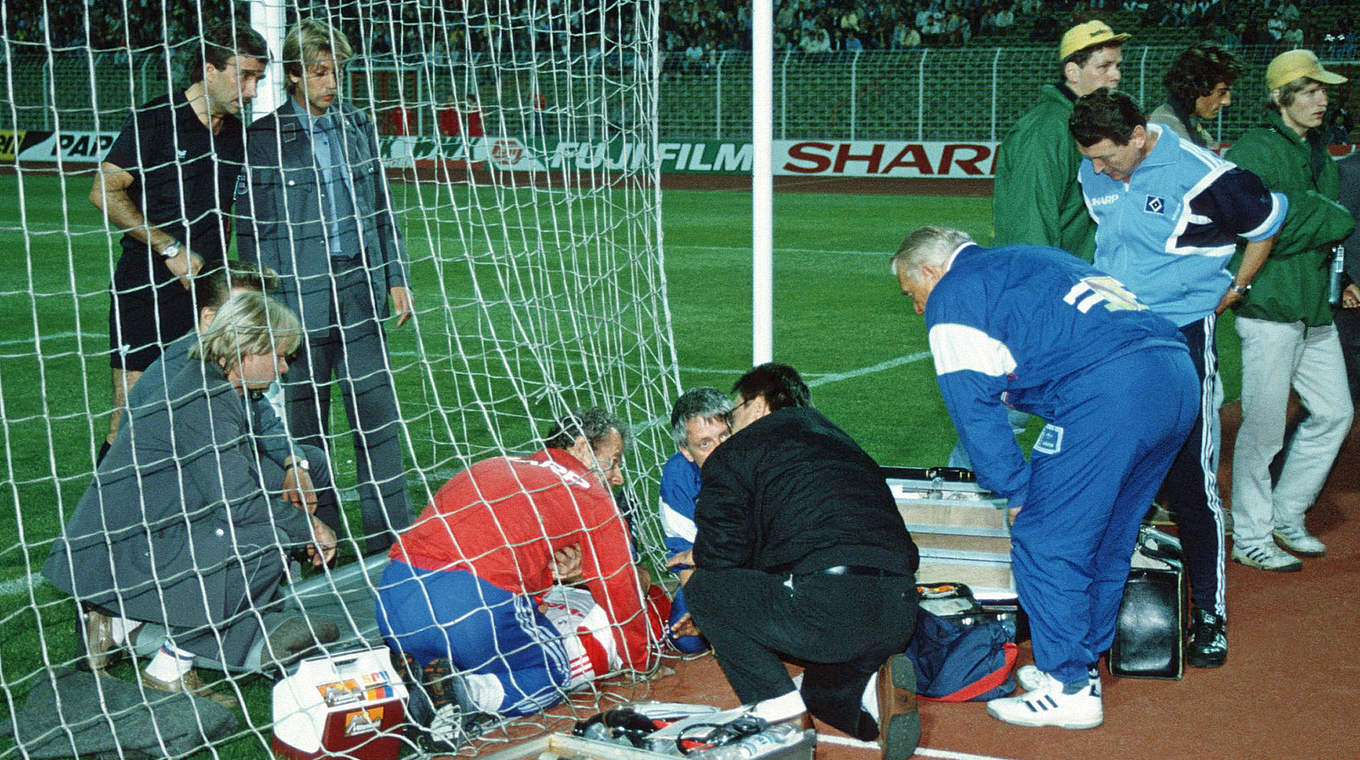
{"x":473,"y":584}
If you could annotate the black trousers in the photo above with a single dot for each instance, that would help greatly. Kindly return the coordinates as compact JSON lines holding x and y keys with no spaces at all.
{"x":1348,"y":327}
{"x":1191,"y":487}
{"x":841,"y":629}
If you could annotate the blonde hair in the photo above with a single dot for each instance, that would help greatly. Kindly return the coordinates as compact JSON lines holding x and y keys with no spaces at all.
{"x":307,"y":42}
{"x":249,"y":323}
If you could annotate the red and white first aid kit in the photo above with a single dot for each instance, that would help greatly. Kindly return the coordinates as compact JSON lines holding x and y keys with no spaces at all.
{"x":351,"y":704}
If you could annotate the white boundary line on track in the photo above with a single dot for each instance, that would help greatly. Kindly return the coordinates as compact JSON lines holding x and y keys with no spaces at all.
{"x":945,"y":754}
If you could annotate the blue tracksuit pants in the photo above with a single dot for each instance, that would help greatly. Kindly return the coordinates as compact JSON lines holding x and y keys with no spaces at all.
{"x":480,"y":628}
{"x":1094,"y":470}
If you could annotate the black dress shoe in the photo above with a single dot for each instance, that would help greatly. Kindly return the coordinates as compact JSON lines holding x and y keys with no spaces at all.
{"x":899,"y":723}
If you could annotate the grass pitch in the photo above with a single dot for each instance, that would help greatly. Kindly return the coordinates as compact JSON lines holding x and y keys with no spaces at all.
{"x":839,"y":318}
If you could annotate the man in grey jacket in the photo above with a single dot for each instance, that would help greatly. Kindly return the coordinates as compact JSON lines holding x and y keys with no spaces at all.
{"x":175,"y":528}
{"x":316,"y":209}
{"x":299,"y":474}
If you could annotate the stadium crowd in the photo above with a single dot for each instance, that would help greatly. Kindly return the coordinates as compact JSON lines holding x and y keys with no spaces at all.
{"x":519,"y":581}
{"x":697,"y":29}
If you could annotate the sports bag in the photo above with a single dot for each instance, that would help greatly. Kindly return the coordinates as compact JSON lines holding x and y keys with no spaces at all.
{"x":961,"y":663}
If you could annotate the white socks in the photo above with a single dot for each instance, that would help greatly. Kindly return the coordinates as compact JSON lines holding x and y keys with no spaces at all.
{"x":170,"y":663}
{"x":869,"y":701}
{"x":122,"y":629}
{"x":485,"y":691}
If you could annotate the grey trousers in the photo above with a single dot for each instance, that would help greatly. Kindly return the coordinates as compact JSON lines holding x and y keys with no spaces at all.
{"x":353,"y":349}
{"x":1277,"y":356}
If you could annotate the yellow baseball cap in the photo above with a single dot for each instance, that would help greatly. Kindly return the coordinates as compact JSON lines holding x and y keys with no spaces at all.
{"x":1085,"y":35}
{"x":1293,"y":64}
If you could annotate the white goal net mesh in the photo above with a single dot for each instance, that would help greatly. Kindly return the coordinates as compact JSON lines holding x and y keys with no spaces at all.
{"x":517,"y":139}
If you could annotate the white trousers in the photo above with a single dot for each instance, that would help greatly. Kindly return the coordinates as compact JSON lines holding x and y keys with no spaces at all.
{"x":1275,"y":357}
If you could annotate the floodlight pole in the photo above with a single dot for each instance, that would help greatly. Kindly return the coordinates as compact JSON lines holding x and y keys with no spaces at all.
{"x":762,"y":181}
{"x":269,"y":18}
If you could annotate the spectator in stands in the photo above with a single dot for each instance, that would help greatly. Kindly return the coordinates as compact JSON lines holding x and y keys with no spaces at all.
{"x":800,"y":555}
{"x":1198,"y":85}
{"x":1288,"y":338}
{"x":987,"y":22}
{"x":905,"y":36}
{"x":296,"y":473}
{"x":167,"y":184}
{"x":472,"y":581}
{"x":1277,"y":26}
{"x":317,"y":211}
{"x":1035,"y":197}
{"x":175,"y":528}
{"x":1005,"y":17}
{"x":1169,"y":216}
{"x":700,"y":420}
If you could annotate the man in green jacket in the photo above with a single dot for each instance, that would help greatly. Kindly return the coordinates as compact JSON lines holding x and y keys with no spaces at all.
{"x":1285,"y":322}
{"x":1035,"y":197}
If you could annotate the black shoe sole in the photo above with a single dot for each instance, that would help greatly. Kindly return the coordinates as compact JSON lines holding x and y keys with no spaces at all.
{"x":904,"y":729}
{"x":1206,"y":661}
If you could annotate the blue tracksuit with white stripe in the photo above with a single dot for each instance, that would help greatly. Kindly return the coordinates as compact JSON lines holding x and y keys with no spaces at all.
{"x":1168,"y":234}
{"x":1039,"y":330}
{"x":679,"y":494}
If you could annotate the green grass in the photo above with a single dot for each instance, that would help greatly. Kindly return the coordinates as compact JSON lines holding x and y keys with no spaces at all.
{"x":839,"y":318}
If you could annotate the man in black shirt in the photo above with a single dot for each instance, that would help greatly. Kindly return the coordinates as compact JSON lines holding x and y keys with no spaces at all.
{"x":802,"y":556}
{"x":167,"y":183}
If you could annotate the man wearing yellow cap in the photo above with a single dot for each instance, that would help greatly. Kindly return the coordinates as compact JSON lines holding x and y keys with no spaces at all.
{"x":1285,"y":322}
{"x":1036,"y":192}
{"x":1035,"y":197}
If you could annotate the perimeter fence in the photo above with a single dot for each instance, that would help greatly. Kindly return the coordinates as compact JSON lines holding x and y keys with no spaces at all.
{"x":972,"y":94}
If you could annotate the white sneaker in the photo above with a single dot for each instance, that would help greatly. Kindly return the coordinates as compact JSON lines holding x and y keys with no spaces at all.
{"x":1296,"y":539}
{"x":1029,"y":677}
{"x":1049,"y":706}
{"x":1265,"y":556}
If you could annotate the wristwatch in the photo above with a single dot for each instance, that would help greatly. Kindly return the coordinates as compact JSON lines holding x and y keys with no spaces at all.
{"x":1240,"y":290}
{"x":301,"y":464}
{"x":172,"y":250}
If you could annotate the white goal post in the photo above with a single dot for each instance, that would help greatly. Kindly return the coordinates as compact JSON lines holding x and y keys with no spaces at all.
{"x":518,"y":142}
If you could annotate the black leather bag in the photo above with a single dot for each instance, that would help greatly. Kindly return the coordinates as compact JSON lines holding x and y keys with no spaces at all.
{"x":1149,"y":634}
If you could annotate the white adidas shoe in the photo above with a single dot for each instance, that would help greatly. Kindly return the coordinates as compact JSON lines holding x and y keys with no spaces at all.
{"x":1047,"y":705}
{"x":1029,"y":677}
{"x":1297,"y":539}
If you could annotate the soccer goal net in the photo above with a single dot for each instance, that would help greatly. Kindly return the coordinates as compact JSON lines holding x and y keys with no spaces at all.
{"x":517,"y":139}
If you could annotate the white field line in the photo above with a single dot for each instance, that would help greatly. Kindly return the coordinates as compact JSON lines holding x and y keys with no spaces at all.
{"x":945,"y":754}
{"x":886,"y":254}
{"x":21,"y":585}
{"x":17,"y":586}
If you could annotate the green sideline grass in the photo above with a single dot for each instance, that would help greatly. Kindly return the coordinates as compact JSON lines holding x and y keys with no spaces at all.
{"x":839,"y":318}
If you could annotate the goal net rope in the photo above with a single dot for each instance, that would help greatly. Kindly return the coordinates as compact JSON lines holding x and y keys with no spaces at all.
{"x":518,"y":142}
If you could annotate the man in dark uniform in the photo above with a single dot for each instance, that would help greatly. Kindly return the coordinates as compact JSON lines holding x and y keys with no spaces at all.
{"x":801,"y":556}
{"x":167,"y":183}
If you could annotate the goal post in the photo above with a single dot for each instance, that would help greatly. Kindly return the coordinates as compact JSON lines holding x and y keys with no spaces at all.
{"x":518,"y":141}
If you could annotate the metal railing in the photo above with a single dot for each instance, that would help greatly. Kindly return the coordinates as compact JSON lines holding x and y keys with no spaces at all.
{"x":920,"y":94}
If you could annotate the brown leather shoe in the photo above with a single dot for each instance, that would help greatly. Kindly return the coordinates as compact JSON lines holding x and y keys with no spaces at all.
{"x":191,"y":683}
{"x":899,"y":724}
{"x":96,"y":633}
